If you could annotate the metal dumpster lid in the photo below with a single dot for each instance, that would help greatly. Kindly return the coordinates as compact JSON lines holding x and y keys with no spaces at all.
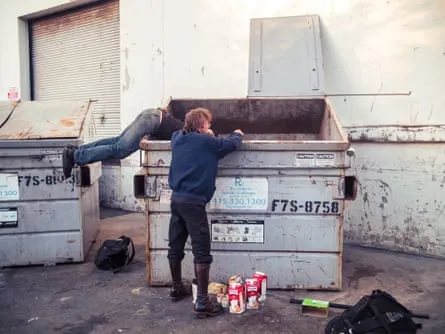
{"x":6,"y":107}
{"x":44,"y":120}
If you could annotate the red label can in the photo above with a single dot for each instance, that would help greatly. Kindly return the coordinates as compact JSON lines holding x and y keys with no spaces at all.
{"x":237,"y":298}
{"x":252,"y":293}
{"x":262,"y":282}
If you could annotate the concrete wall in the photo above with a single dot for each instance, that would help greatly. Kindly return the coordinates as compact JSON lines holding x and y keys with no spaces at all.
{"x":383,"y":63}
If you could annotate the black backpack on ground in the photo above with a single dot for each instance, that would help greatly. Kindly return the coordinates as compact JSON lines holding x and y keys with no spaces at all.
{"x":378,"y":313}
{"x":114,"y":254}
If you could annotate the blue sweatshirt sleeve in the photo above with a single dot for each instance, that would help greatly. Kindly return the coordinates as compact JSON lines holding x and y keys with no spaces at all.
{"x":224,"y":146}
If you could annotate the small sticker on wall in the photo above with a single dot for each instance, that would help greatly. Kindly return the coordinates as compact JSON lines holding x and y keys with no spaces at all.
{"x":13,"y":94}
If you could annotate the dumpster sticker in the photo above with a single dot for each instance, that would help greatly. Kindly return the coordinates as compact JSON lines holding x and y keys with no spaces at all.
{"x":239,"y":231}
{"x":240,"y":193}
{"x":313,"y":159}
{"x":8,"y":217}
{"x":9,"y":187}
{"x":165,"y":192}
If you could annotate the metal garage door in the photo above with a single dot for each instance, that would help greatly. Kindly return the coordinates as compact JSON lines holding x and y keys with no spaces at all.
{"x":75,"y":55}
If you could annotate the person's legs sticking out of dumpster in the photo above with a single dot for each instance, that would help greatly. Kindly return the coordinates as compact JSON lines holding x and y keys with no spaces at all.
{"x":156,"y":123}
{"x":195,"y":155}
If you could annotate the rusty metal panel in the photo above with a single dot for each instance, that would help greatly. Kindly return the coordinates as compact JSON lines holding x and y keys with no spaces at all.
{"x":285,"y":270}
{"x":397,"y":133}
{"x":41,"y":248}
{"x":44,"y":216}
{"x":259,"y":158}
{"x":262,"y":116}
{"x":76,"y":56}
{"x":401,"y":205}
{"x":288,"y":233}
{"x":46,"y":120}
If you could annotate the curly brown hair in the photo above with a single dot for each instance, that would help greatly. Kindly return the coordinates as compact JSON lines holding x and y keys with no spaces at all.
{"x":195,"y":118}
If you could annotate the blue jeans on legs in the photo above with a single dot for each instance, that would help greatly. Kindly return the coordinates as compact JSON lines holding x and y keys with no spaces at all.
{"x":122,"y":146}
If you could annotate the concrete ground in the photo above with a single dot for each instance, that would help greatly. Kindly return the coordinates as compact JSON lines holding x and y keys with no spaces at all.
{"x":79,"y":299}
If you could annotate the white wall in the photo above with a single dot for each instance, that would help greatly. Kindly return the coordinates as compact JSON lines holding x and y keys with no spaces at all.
{"x":199,"y":48}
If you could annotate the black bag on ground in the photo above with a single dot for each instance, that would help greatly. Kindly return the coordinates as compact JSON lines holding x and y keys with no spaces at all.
{"x":378,"y":313}
{"x":114,"y":254}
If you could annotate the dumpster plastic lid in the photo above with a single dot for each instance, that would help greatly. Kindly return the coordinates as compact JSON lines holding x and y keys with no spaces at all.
{"x":43,"y":120}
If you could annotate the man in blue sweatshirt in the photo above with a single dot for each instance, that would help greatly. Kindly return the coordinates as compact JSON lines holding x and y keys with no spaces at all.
{"x":195,"y":155}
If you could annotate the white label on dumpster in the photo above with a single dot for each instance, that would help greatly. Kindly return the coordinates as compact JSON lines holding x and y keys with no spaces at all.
{"x":9,"y":187}
{"x":324,"y":159}
{"x":165,"y":193}
{"x":239,"y":231}
{"x":8,"y":217}
{"x":240,"y":193}
{"x":313,"y":159}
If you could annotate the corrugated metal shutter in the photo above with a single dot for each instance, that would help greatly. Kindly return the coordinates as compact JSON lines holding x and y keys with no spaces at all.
{"x":76,"y":55}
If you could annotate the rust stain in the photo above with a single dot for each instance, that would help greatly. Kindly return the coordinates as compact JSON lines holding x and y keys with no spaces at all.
{"x":260,"y":116}
{"x":362,"y":271}
{"x":148,"y":253}
{"x":107,"y":11}
{"x":67,"y":122}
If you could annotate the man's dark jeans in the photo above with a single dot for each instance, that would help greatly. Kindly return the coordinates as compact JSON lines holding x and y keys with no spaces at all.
{"x":123,"y":145}
{"x":189,"y":219}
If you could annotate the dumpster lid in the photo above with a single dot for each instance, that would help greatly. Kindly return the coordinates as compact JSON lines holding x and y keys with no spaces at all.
{"x":6,"y":107}
{"x":43,"y":120}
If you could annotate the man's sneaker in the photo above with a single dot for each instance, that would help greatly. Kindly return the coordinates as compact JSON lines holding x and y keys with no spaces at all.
{"x":68,"y":160}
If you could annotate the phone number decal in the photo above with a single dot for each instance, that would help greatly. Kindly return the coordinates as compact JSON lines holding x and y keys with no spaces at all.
{"x":286,"y":205}
{"x":240,"y":193}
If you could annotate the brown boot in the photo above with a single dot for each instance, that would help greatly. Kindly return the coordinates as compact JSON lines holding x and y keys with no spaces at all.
{"x":178,"y":290}
{"x":203,"y":307}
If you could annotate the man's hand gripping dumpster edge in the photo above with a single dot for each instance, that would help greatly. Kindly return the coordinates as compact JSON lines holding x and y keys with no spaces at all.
{"x":192,"y":176}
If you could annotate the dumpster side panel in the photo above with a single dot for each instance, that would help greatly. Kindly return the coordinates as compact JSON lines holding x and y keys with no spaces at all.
{"x":294,"y":220}
{"x":285,"y":271}
{"x":258,"y":159}
{"x":401,"y":205}
{"x":90,"y":222}
{"x":233,"y":232}
{"x":277,"y":195}
{"x":43,"y":248}
{"x":44,"y":217}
